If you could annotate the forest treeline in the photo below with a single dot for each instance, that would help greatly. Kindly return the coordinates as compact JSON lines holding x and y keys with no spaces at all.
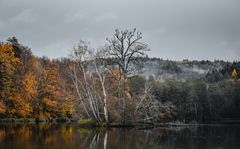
{"x":101,"y":85}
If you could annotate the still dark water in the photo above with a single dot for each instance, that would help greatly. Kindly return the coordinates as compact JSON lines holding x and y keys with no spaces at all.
{"x":64,"y":136}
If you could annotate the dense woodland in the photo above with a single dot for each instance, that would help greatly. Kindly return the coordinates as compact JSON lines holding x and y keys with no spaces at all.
{"x":109,"y":85}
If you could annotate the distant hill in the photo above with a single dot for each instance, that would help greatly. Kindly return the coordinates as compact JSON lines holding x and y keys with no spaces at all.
{"x":181,"y":70}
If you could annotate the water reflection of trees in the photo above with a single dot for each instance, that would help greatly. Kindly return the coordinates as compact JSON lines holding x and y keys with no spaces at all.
{"x":71,"y":136}
{"x":2,"y":135}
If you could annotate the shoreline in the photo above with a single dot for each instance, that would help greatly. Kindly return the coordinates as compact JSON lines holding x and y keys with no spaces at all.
{"x":88,"y":123}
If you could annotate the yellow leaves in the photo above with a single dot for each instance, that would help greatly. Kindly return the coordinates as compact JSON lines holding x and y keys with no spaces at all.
{"x":53,"y":82}
{"x":29,"y":88}
{"x":11,"y":112}
{"x":52,"y":91}
{"x":19,"y":106}
{"x":6,"y":51}
{"x":67,"y":106}
{"x":67,"y":133}
{"x":7,"y":58}
{"x":49,"y":103}
{"x":44,"y":115}
{"x":67,"y":110}
{"x":8,"y":64}
{"x":11,"y":94}
{"x":29,"y":83}
{"x":116,"y":74}
{"x":234,"y":73}
{"x":2,"y":108}
{"x":25,"y":110}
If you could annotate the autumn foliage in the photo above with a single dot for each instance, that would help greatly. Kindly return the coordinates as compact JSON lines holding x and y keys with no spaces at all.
{"x":30,"y":86}
{"x":96,"y":87}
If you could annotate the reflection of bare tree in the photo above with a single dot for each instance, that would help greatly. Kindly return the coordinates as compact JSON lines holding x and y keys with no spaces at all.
{"x":83,"y":139}
{"x":71,"y":136}
{"x":105,"y":140}
{"x":95,"y":140}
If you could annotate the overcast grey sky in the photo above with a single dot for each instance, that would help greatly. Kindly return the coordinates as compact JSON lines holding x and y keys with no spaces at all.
{"x":173,"y":29}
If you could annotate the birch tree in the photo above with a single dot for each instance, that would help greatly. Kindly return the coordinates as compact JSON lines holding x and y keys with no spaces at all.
{"x":81,"y":56}
{"x":100,"y":68}
{"x":88,"y":66}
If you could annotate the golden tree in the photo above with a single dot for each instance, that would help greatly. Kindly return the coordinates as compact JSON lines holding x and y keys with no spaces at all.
{"x":8,"y":64}
{"x":234,"y":73}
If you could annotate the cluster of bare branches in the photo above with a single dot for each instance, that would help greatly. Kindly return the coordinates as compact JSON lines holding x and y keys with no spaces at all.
{"x":149,"y":109}
{"x":126,"y":47}
{"x":85,"y":83}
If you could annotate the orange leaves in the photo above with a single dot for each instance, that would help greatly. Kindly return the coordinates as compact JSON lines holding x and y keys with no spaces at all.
{"x":50,"y":103}
{"x":20,"y":100}
{"x":53,"y":81}
{"x":31,"y":86}
{"x":19,"y":106}
{"x":6,"y":52}
{"x":7,"y":58}
{"x":19,"y":87}
{"x":51,"y":91}
{"x":8,"y":63}
{"x":29,"y":83}
{"x":25,"y":110}
{"x":2,"y":107}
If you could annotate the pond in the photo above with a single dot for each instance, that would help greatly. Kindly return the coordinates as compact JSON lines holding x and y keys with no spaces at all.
{"x":64,"y":136}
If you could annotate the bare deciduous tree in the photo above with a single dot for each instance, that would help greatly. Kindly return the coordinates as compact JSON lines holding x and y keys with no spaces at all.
{"x":84,"y":86}
{"x":125,"y":48}
{"x":87,"y":65}
{"x":100,"y":68}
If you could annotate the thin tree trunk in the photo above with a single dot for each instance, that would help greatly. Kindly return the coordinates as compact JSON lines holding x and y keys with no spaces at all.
{"x":75,"y":82}
{"x":105,"y":104}
{"x":102,"y":80}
